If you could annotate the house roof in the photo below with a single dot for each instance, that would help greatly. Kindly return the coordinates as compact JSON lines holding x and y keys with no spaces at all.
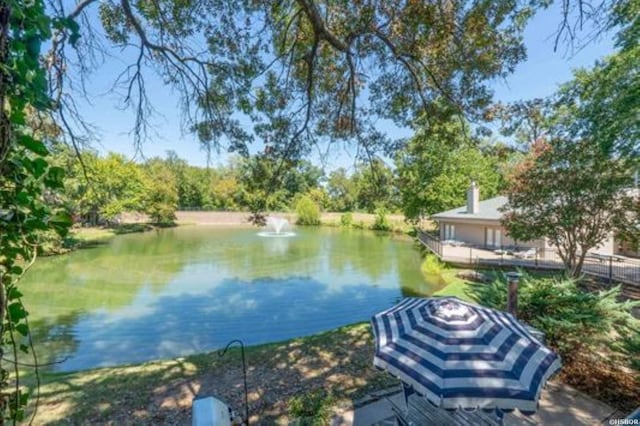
{"x":488,"y":210}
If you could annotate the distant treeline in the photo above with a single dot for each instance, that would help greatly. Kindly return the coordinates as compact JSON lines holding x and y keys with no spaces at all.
{"x":100,"y":187}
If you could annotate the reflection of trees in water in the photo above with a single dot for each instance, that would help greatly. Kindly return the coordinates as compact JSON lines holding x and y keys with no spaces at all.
{"x":107,"y":280}
{"x":373,"y":253}
{"x":256,"y":311}
{"x":107,"y":277}
{"x":53,"y":339}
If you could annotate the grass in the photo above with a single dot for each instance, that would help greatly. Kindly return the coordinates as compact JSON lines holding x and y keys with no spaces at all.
{"x":93,"y":236}
{"x":336,"y":363}
{"x":455,"y":286}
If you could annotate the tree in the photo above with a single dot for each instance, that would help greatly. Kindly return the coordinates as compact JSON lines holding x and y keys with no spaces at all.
{"x":111,"y":186}
{"x":302,"y":68}
{"x":160,"y":196}
{"x":435,"y":168}
{"x":376,"y":187}
{"x":524,"y":120}
{"x":570,"y":193}
{"x":342,"y":190}
{"x":604,"y":103}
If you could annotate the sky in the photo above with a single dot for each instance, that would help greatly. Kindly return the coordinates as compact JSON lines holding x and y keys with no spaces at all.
{"x":538,"y":76}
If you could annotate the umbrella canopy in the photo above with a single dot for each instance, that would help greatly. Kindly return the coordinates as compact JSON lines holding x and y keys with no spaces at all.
{"x":460,"y":355}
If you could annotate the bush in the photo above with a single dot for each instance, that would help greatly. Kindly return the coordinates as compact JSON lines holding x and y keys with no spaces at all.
{"x":311,"y":409}
{"x":431,"y":265}
{"x":308,"y":212}
{"x":381,"y":223}
{"x":346,"y":220}
{"x":575,"y":322}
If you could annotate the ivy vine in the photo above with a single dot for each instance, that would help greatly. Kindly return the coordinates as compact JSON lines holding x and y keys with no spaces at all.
{"x":27,"y":180}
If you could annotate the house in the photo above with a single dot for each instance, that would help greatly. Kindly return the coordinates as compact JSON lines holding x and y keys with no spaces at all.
{"x":478,"y":224}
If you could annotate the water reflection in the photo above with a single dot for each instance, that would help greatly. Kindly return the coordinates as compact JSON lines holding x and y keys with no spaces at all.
{"x":188,"y":290}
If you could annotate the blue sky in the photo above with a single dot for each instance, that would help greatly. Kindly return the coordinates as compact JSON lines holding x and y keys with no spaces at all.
{"x":538,"y":76}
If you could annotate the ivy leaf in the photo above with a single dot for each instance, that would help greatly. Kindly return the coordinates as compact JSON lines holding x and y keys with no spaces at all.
{"x":14,"y":293}
{"x":39,"y":167}
{"x":16,"y":312}
{"x":22,"y":329}
{"x":55,"y":177}
{"x":61,"y":222}
{"x":33,"y":145}
{"x":74,"y":28}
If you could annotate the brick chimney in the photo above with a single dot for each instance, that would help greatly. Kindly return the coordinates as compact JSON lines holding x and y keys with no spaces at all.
{"x":473,"y":198}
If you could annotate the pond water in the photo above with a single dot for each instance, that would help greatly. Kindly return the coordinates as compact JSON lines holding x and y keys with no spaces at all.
{"x":192,"y":289}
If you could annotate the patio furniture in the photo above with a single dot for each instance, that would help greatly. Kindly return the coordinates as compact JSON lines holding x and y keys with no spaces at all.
{"x":419,"y":411}
{"x":459,"y":355}
{"x":528,"y":254}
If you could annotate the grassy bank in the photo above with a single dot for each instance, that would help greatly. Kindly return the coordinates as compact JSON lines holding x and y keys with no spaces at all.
{"x":339,"y":361}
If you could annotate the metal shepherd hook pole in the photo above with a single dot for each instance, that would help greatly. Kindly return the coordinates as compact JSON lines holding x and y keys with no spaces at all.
{"x":244,"y":375}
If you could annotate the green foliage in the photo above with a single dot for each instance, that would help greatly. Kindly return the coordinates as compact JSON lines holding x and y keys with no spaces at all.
{"x":346,"y":220}
{"x":311,"y":409}
{"x":160,"y":195}
{"x":380,"y":222}
{"x":436,"y":167}
{"x":376,"y":186}
{"x":574,"y":321}
{"x":29,"y":182}
{"x":342,"y":190}
{"x":569,"y":192}
{"x":431,"y":265}
{"x":602,"y":105}
{"x":308,"y":212}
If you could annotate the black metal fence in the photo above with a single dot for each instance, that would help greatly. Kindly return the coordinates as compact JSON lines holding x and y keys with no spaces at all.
{"x":612,"y":268}
{"x":431,"y":242}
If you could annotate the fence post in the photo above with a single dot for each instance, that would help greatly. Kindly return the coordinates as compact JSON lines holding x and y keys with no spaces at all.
{"x":470,"y":255}
{"x":513,"y":279}
{"x":610,"y":269}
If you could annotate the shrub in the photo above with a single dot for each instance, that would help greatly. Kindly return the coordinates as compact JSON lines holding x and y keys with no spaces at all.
{"x":381,"y":223}
{"x":431,"y":265}
{"x":308,"y":212}
{"x":346,"y":220}
{"x":311,"y":409}
{"x":162,"y":213}
{"x":575,"y":322}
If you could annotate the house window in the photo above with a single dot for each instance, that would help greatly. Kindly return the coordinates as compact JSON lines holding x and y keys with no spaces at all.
{"x":449,"y":232}
{"x":493,"y":237}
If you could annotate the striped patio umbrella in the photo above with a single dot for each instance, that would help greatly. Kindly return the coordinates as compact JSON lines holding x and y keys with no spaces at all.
{"x":460,"y":355}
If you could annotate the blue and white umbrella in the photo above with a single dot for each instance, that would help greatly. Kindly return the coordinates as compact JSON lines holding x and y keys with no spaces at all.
{"x":460,"y":355}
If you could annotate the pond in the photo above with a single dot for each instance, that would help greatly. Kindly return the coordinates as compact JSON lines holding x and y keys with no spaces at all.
{"x":192,"y":289}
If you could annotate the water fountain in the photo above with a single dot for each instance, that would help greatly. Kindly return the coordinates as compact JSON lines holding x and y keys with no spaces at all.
{"x":278,"y":228}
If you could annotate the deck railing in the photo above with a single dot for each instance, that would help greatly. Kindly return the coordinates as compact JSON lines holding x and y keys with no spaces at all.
{"x":431,"y":242}
{"x":612,"y":268}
